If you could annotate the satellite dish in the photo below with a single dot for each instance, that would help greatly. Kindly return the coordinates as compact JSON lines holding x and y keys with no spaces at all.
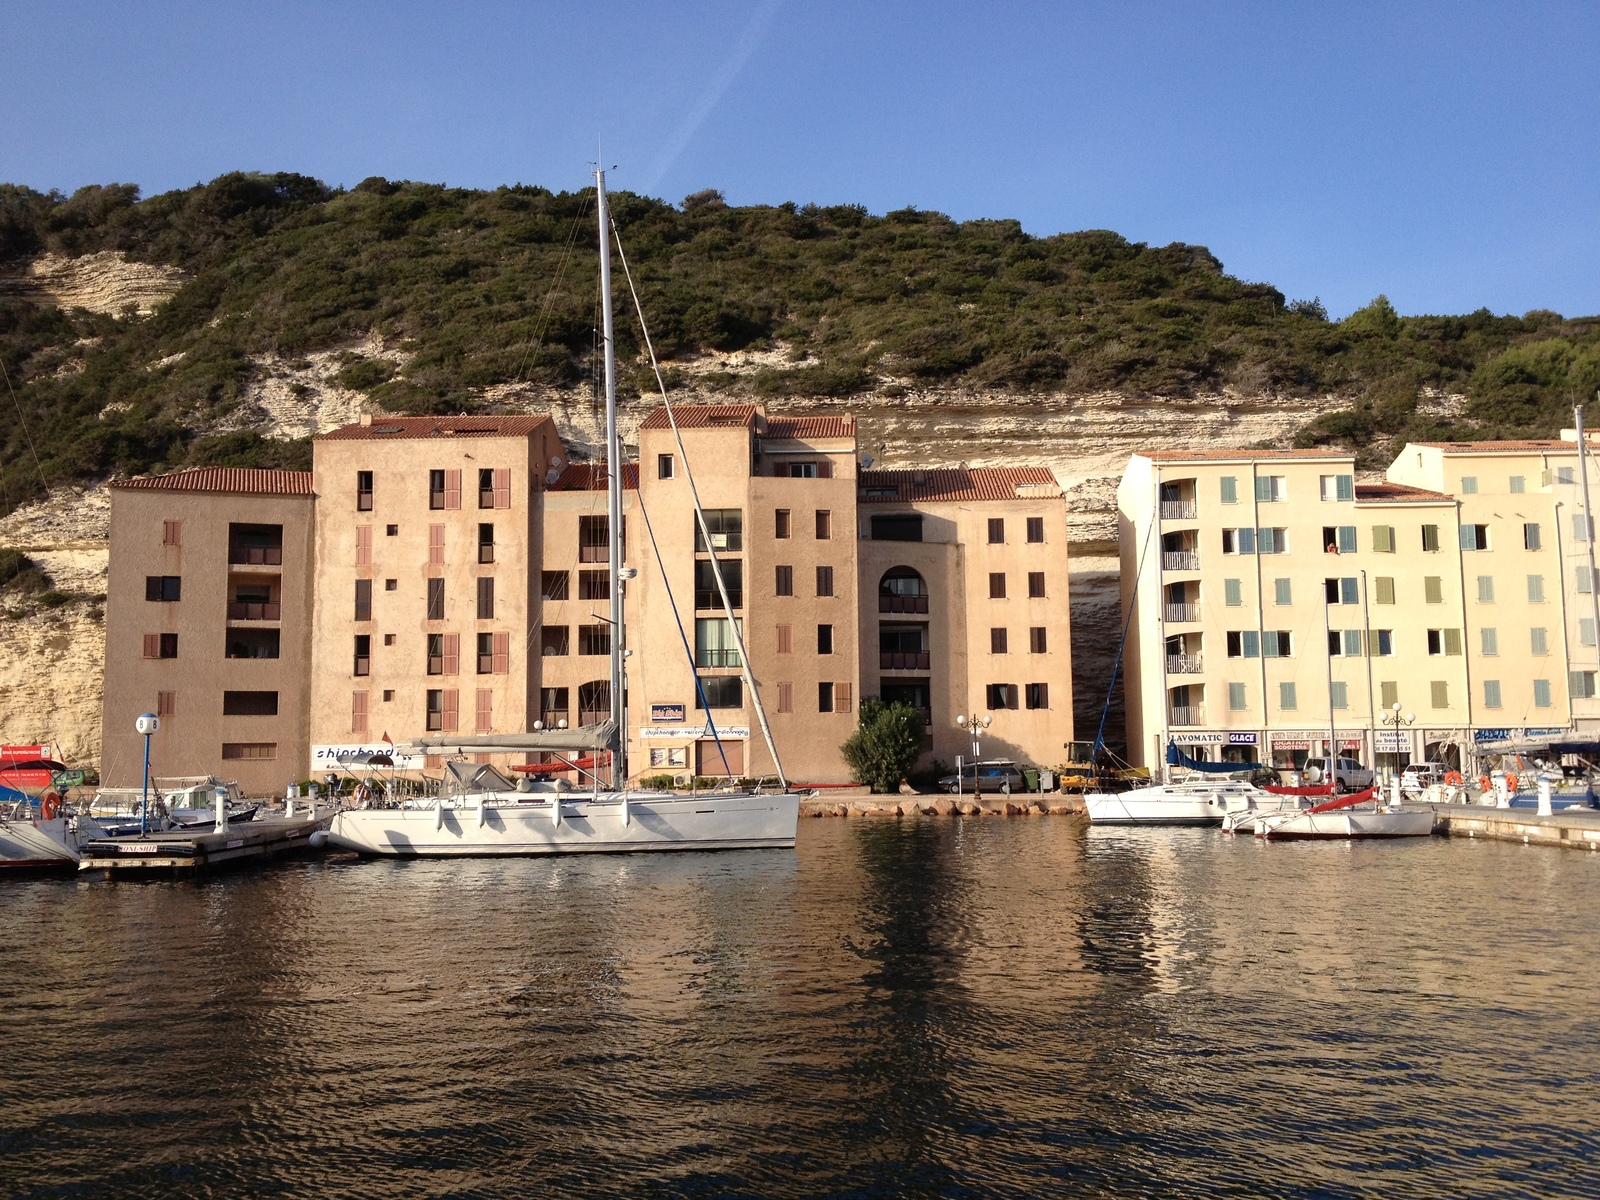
{"x":866,"y":462}
{"x":556,"y":461}
{"x":552,"y":475}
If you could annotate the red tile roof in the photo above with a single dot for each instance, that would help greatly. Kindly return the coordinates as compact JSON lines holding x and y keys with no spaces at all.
{"x":962,"y":483}
{"x":424,"y":427}
{"x":244,"y":481}
{"x":591,"y":477}
{"x":1502,"y":447}
{"x":1397,"y":492}
{"x":1242,"y":454}
{"x":702,"y":416}
{"x":808,"y":428}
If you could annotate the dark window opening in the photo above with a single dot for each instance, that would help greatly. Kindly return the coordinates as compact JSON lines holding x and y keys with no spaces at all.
{"x":903,"y":527}
{"x":249,"y":704}
{"x":165,"y":588}
{"x":486,"y":542}
{"x":706,"y":594}
{"x":363,"y":655}
{"x":364,"y":491}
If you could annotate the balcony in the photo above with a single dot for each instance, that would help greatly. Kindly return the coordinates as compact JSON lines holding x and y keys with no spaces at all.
{"x":1182,"y":614}
{"x":902,"y":604}
{"x":895,"y":660}
{"x":254,"y":610}
{"x":1194,"y":714}
{"x":717,"y":657}
{"x":255,"y":556}
{"x":1184,"y":664}
{"x":1180,"y":560}
{"x":1178,"y":510}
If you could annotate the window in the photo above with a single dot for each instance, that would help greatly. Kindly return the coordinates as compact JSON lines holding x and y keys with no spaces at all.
{"x":254,"y":751}
{"x":594,"y":539}
{"x":824,"y":581}
{"x":824,"y":639}
{"x":1238,"y":541}
{"x":1388,"y":693}
{"x":716,"y":643}
{"x":486,"y":598}
{"x":1383,"y":539}
{"x":1001,"y":695}
{"x":1530,"y":536}
{"x":485,"y":710}
{"x":436,"y":545}
{"x":706,"y":592}
{"x":1485,"y":589}
{"x":1491,"y":693}
{"x":364,"y":599}
{"x":1430,"y":538}
{"x":1580,"y":684}
{"x":1489,"y":641}
{"x":166,"y":704}
{"x":1037,"y":695}
{"x":1433,"y":589}
{"x":363,"y":654}
{"x":1232,"y":593}
{"x":720,"y":691}
{"x":1270,"y":488}
{"x":435,"y":599}
{"x":842,"y":698}
{"x":786,"y":697}
{"x":997,"y":585}
{"x":1444,"y":641}
{"x":363,"y":491}
{"x":1037,"y":640}
{"x":781,"y":523}
{"x":726,"y":527}
{"x":1282,"y":592}
{"x":1541,"y":693}
{"x":1035,"y":585}
{"x":997,"y":530}
{"x":663,"y":466}
{"x":442,"y":711}
{"x":555,"y":641}
{"x":785,"y":581}
{"x":1338,"y":487}
{"x":1275,"y":643}
{"x":594,"y":640}
{"x":391,"y":531}
{"x":594,"y":701}
{"x":898,"y":527}
{"x":358,"y":711}
{"x":1237,"y":701}
{"x":822,"y":469}
{"x":1519,"y":485}
{"x":1276,"y":541}
{"x":249,"y":704}
{"x":1474,"y":537}
{"x":1535,"y":589}
{"x":824,"y":524}
{"x":438,"y":491}
{"x":1244,"y":643}
{"x":1585,"y":582}
{"x":388,"y":639}
{"x":1585,"y":631}
{"x":1384,"y":642}
{"x":785,"y":639}
{"x":1035,"y":529}
{"x":1339,"y":539}
{"x":1339,"y":694}
{"x":1440,"y":693}
{"x":1566,"y":475}
{"x":444,"y":654}
{"x":485,"y":541}
{"x":713,"y":757}
{"x":825,"y":697}
{"x":494,"y":487}
{"x":1538,"y":641}
{"x":1342,"y":591}
{"x":494,"y":653}
{"x":1287,"y":699}
{"x":172,"y":533}
{"x":554,"y":585}
{"x":553,"y":706}
{"x":1230,"y":489}
{"x":594,"y":585}
{"x":997,"y":641}
{"x":1469,"y":485}
{"x":363,"y":545}
{"x":1383,"y":589}
{"x":165,"y":588}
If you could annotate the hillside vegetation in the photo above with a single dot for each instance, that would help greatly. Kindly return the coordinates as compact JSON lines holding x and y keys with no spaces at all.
{"x":488,"y":287}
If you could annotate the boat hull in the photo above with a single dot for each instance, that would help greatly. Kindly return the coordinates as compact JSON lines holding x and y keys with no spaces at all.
{"x":1337,"y":825}
{"x":36,"y":845}
{"x":587,"y":826}
{"x":1126,"y":809}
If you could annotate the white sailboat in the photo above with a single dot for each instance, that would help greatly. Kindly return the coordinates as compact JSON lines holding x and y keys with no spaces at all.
{"x":489,"y":815}
{"x":1192,"y":802}
{"x":37,"y":837}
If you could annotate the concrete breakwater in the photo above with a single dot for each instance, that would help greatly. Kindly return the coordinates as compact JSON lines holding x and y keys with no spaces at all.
{"x":1578,"y":829}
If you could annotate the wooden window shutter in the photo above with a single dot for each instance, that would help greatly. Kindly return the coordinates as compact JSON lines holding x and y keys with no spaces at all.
{"x":825,"y":469}
{"x":172,"y":533}
{"x":841,"y":697}
{"x":450,"y":713}
{"x":786,"y":697}
{"x":485,"y":710}
{"x":363,"y":545}
{"x":785,"y":641}
{"x":502,"y":487}
{"x":436,"y":544}
{"x":502,"y":654}
{"x":152,"y":645}
{"x":358,"y":712}
{"x":166,"y":703}
{"x":452,"y":489}
{"x":452,"y":654}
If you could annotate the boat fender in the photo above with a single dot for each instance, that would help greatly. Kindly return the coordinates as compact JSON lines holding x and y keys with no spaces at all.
{"x":625,"y":813}
{"x":319,"y":839}
{"x":438,"y":814}
{"x":50,"y":806}
{"x":555,"y":810}
{"x":1453,"y":779}
{"x":483,"y":811}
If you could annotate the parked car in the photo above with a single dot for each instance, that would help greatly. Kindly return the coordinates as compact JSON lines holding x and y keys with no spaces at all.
{"x":985,"y":777}
{"x":1353,"y":777}
{"x":1416,"y":778}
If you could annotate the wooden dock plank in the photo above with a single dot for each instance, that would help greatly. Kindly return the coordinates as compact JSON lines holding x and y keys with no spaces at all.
{"x":197,"y":850}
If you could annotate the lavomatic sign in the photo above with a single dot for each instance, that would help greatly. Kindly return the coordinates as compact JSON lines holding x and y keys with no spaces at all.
{"x":666,"y":712}
{"x":1214,"y":739}
{"x":357,"y":758}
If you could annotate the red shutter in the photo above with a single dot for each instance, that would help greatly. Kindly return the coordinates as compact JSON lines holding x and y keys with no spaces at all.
{"x":152,"y":645}
{"x":502,"y":654}
{"x":436,"y":544}
{"x":485,"y":710}
{"x":358,"y":712}
{"x":786,"y":697}
{"x":166,"y":703}
{"x":785,"y":640}
{"x":452,"y":489}
{"x":363,"y":545}
{"x":450,"y":717}
{"x":172,"y":533}
{"x":452,"y":654}
{"x":841,"y":697}
{"x":825,"y":469}
{"x":502,"y":487}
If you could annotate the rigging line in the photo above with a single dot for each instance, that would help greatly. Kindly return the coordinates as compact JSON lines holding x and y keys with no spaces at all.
{"x":700,"y":518}
{"x":549,"y":296}
{"x":1117,"y":666}
{"x":23,"y":422}
{"x":699,"y":685}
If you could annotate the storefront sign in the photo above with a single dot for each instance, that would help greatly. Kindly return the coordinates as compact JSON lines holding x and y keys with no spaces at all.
{"x":1215,"y":739}
{"x":355,"y":758}
{"x":1392,"y":741}
{"x":1500,"y":735}
{"x":666,"y":712}
{"x":697,"y":731}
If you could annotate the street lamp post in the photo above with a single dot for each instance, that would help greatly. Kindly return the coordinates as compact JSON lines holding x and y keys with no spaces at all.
{"x":147,"y":724}
{"x":975,"y":725}
{"x":1392,"y":718}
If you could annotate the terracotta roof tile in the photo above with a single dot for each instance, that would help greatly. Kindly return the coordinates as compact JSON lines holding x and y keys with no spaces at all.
{"x":702,"y":416}
{"x":1397,"y":491}
{"x":1242,"y":454}
{"x":426,"y":427}
{"x":591,"y":477}
{"x":1524,"y":447}
{"x":971,"y":483}
{"x":808,"y":428}
{"x":244,"y":481}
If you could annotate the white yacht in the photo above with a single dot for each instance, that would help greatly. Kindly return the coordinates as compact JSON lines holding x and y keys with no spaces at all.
{"x":37,"y":837}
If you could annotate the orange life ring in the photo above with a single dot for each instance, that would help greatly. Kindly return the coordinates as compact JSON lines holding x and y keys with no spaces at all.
{"x":50,"y":806}
{"x":1453,"y":778}
{"x":1511,"y":783}
{"x":1484,"y":783}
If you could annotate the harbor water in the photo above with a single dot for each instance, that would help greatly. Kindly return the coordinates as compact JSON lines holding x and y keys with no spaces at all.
{"x":922,"y":1007}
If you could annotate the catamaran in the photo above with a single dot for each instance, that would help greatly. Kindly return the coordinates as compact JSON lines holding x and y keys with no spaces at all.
{"x":486,"y":813}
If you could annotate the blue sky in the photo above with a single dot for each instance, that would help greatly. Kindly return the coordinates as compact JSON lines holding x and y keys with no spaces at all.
{"x":1447,"y":155}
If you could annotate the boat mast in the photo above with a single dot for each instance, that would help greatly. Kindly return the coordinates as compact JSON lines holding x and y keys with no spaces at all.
{"x":1588,"y":518}
{"x":619,"y":708}
{"x":1333,"y":739}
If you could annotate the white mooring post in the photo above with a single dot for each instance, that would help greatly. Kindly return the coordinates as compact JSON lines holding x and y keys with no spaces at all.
{"x":1545,"y":808}
{"x":222,"y":810}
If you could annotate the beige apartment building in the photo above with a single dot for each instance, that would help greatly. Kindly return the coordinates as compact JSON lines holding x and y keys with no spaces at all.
{"x":208,"y":625}
{"x":1272,"y":598}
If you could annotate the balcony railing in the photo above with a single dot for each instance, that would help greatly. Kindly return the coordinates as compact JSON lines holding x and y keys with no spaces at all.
{"x":895,"y":660}
{"x":902,"y":604}
{"x":363,"y":664}
{"x":593,"y":716}
{"x":1180,"y":560}
{"x":1177,"y":510}
{"x":256,"y":556}
{"x":1181,"y":614}
{"x":728,"y":657}
{"x":1184,"y":664}
{"x":592,"y":552}
{"x":1194,"y":714}
{"x":250,"y":610}
{"x":553,"y":717}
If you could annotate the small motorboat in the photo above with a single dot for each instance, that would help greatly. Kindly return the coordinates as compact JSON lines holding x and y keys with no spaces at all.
{"x":1345,"y":817}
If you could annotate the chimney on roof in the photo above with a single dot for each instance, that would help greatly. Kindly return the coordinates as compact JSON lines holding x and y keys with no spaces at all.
{"x":366,"y":418}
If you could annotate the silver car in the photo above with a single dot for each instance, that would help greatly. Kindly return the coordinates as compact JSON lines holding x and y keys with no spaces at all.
{"x":1353,"y":777}
{"x":985,"y":777}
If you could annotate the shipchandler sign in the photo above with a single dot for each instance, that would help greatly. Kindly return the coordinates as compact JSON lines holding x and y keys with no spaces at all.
{"x":1214,"y":739}
{"x":355,"y":757}
{"x":726,"y":732}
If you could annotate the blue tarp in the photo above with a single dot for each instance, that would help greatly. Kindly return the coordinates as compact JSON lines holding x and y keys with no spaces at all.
{"x":1177,"y":758}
